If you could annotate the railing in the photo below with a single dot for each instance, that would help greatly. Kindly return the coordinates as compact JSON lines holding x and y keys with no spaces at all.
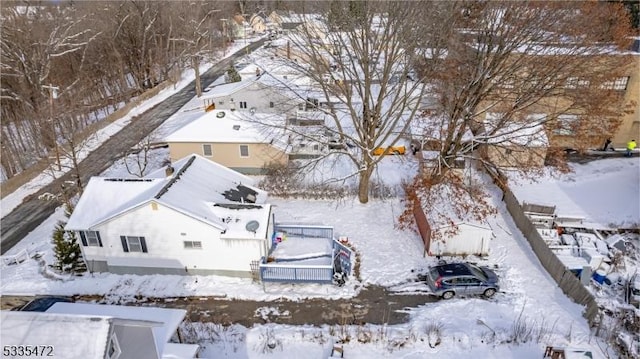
{"x":310,"y":231}
{"x":275,"y":272}
{"x":286,"y":272}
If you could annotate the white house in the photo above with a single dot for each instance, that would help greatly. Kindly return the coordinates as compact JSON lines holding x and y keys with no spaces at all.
{"x":195,"y":217}
{"x":93,"y":331}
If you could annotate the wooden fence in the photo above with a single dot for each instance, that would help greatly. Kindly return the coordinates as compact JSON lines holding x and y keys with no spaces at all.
{"x":566,"y":280}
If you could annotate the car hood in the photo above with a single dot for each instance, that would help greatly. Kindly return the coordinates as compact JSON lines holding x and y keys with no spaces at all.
{"x":492,"y":277}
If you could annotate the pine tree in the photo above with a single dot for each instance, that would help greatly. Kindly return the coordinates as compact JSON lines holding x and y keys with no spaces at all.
{"x":67,"y":252}
{"x":233,"y":75}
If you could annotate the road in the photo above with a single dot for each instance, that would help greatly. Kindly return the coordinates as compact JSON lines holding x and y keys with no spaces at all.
{"x":32,"y":212}
{"x":374,"y":305}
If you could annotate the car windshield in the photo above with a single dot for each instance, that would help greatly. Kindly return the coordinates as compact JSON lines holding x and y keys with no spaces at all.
{"x":434,"y":273}
{"x":478,"y":272}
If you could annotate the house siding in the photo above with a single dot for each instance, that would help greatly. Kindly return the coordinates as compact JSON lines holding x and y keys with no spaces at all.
{"x":519,"y":157}
{"x":256,"y":96}
{"x":165,"y":229}
{"x":136,"y":342}
{"x":228,"y":154}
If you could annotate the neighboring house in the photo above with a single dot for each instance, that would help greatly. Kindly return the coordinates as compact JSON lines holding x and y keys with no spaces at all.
{"x":95,"y":331}
{"x":238,"y":27}
{"x":515,"y":144}
{"x":251,"y":94}
{"x":194,"y":217}
{"x":258,"y":24}
{"x":630,"y":126}
{"x":242,"y":141}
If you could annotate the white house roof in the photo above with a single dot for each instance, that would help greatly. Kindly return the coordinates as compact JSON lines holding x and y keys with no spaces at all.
{"x":71,"y":337}
{"x":169,"y":318}
{"x":230,"y":88}
{"x":195,"y":183}
{"x":232,"y":127}
{"x":529,"y":133}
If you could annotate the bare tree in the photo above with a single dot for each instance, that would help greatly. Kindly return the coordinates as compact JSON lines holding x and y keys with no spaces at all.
{"x":192,"y":32}
{"x":519,"y":67}
{"x":358,"y":54}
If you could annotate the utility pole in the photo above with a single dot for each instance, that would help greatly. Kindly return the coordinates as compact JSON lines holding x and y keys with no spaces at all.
{"x":53,"y":93}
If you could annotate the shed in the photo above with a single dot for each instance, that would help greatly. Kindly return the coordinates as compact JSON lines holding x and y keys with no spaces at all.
{"x":462,"y":238}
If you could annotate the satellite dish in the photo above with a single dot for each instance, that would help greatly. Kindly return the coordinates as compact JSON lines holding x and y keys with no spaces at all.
{"x":252,"y":226}
{"x":220,"y":114}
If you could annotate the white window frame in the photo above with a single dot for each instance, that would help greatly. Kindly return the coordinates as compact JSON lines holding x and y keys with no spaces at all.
{"x":204,"y":150}
{"x":192,"y":244}
{"x":243,"y":104}
{"x":136,"y":243}
{"x":92,"y":241}
{"x":621,"y":83}
{"x":247,"y":147}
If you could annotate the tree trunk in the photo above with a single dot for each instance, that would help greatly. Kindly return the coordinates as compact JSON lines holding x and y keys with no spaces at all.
{"x":196,"y":67}
{"x":363,"y":184}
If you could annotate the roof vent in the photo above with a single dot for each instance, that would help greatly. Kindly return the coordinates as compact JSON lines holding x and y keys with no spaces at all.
{"x":252,"y":226}
{"x":236,"y":127}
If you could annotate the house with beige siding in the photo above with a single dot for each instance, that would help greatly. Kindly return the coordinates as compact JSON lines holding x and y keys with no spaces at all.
{"x":515,"y":144}
{"x":242,"y":141}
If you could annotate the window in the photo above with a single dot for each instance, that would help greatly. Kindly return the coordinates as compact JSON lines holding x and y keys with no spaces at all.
{"x":271,"y":104}
{"x":90,"y":238}
{"x":192,"y":244}
{"x":206,"y":150}
{"x":114,"y":348}
{"x":575,"y":82}
{"x":300,"y":106}
{"x":566,"y":125}
{"x":243,"y":104}
{"x":619,"y":83}
{"x":244,"y":151}
{"x":133,"y":244}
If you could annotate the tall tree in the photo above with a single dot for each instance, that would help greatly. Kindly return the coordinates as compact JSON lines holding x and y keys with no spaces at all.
{"x":519,"y":67}
{"x":358,"y":54}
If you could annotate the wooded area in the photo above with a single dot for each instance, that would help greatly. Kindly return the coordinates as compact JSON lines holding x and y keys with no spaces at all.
{"x":66,"y":65}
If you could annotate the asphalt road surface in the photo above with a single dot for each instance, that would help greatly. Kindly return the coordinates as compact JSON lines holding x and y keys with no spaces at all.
{"x":32,"y":212}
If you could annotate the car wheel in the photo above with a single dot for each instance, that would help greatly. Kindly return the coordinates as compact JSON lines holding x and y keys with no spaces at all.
{"x":448,"y":295}
{"x":489,"y":292}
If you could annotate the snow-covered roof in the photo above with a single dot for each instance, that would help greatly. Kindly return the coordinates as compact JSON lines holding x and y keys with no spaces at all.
{"x":168,"y":318}
{"x":230,"y":88}
{"x":195,"y":183}
{"x":69,"y":336}
{"x":528,"y":133}
{"x":232,"y":127}
{"x":237,"y":219}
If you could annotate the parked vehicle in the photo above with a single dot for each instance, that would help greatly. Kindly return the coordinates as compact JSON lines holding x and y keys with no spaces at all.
{"x":391,"y":150}
{"x":41,"y":304}
{"x":449,"y":280}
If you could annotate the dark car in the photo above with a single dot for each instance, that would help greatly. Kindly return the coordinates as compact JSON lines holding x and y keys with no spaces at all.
{"x":41,"y":304}
{"x":449,"y":280}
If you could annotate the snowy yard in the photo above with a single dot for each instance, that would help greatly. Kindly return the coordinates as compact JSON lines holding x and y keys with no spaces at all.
{"x":602,"y":191}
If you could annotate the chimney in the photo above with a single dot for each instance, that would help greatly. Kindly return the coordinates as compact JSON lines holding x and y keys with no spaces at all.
{"x":257,"y":72}
{"x":169,"y":170}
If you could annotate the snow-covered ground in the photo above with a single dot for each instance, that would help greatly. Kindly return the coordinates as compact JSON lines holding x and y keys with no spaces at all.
{"x":389,"y":257}
{"x":606,"y":193}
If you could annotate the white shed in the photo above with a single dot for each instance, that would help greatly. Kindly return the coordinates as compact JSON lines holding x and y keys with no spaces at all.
{"x":468,"y":238}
